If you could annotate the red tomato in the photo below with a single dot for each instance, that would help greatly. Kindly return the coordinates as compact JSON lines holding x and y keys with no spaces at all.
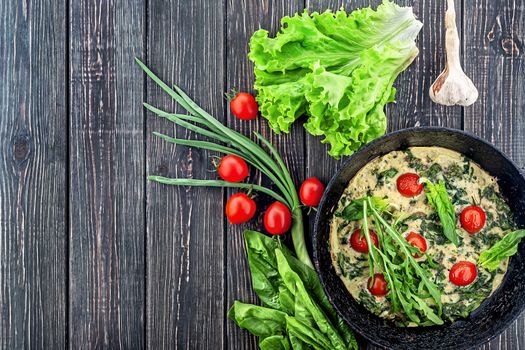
{"x":240,"y":208}
{"x":311,"y":192}
{"x":244,"y":106}
{"x":472,"y":219}
{"x":379,"y":286}
{"x":277,"y":219}
{"x":232,"y":168}
{"x":359,"y":243}
{"x":408,"y":186}
{"x":417,"y":241}
{"x":463,"y":273}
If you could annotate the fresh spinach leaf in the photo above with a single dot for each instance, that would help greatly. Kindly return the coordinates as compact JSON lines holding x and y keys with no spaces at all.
{"x":307,"y":335}
{"x":506,"y":247}
{"x":261,"y":258}
{"x":275,"y":342}
{"x":294,"y":283}
{"x":258,"y":320}
{"x":438,"y":198}
{"x":271,"y":289}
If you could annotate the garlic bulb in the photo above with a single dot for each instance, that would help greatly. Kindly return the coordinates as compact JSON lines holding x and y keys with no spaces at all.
{"x":452,"y":86}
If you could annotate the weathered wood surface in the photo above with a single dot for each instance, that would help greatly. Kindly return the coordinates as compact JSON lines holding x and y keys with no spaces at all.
{"x":243,"y":19}
{"x":92,"y":255}
{"x":106,"y":179}
{"x":33,"y":175}
{"x":494,"y":56}
{"x":185,"y":259}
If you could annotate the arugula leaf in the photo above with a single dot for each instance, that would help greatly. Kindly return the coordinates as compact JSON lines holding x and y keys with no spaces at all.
{"x":508,"y":246}
{"x":438,"y":198}
{"x":354,"y":210}
{"x":339,"y":68}
{"x":410,"y":283}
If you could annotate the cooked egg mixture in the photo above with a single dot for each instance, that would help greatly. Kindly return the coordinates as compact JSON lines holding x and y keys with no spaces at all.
{"x":467,"y":184}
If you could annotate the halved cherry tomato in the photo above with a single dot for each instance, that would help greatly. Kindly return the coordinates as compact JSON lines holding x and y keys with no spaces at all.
{"x":240,"y":208}
{"x":232,"y":168}
{"x":408,"y":185}
{"x":311,"y":192}
{"x":472,"y":219}
{"x":379,"y":287}
{"x":244,"y":106}
{"x":360,"y":244}
{"x":417,"y":241}
{"x":463,"y":273}
{"x":277,"y":219}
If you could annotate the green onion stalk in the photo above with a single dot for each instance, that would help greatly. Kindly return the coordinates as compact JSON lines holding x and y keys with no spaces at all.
{"x":228,"y":141}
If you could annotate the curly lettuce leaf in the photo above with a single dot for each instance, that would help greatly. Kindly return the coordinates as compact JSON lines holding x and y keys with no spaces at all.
{"x":338,"y":68}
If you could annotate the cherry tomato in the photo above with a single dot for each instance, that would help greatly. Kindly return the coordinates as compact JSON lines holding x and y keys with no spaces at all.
{"x":277,"y":219}
{"x":472,"y":219}
{"x":379,"y":286}
{"x":240,"y":208}
{"x":417,"y":241}
{"x":311,"y":192}
{"x":244,"y":106}
{"x":408,"y":185}
{"x":359,"y":243}
{"x":232,"y":168}
{"x":463,"y":273}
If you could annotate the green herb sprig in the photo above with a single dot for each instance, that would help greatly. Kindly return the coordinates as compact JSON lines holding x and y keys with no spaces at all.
{"x":228,"y":141}
{"x":410,"y":282}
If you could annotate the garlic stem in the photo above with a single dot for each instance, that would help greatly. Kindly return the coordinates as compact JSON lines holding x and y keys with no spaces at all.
{"x":452,"y":86}
{"x":451,"y":36}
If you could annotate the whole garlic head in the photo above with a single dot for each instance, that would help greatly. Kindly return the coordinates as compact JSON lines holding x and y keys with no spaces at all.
{"x":452,"y":86}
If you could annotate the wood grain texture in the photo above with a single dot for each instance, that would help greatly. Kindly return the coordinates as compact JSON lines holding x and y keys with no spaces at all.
{"x":494,"y":58}
{"x":185,"y":283}
{"x":107,"y":252}
{"x":33,"y":119}
{"x":244,"y":18}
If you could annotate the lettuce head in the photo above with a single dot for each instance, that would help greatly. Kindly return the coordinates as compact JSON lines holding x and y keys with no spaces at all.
{"x":337,"y":68}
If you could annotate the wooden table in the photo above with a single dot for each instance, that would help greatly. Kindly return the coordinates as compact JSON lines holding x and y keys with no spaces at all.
{"x":93,"y":255}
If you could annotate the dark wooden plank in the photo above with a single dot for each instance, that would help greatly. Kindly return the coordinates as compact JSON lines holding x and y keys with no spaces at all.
{"x":185,"y":305}
{"x":107,"y":229}
{"x":33,"y":175}
{"x":495,"y":60}
{"x":243,"y":19}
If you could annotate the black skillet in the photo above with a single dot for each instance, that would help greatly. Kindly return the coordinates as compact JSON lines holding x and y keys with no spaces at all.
{"x":494,"y":315}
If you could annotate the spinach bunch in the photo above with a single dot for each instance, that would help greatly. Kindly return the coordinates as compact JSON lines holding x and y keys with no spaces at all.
{"x":296,"y":313}
{"x":410,"y":283}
